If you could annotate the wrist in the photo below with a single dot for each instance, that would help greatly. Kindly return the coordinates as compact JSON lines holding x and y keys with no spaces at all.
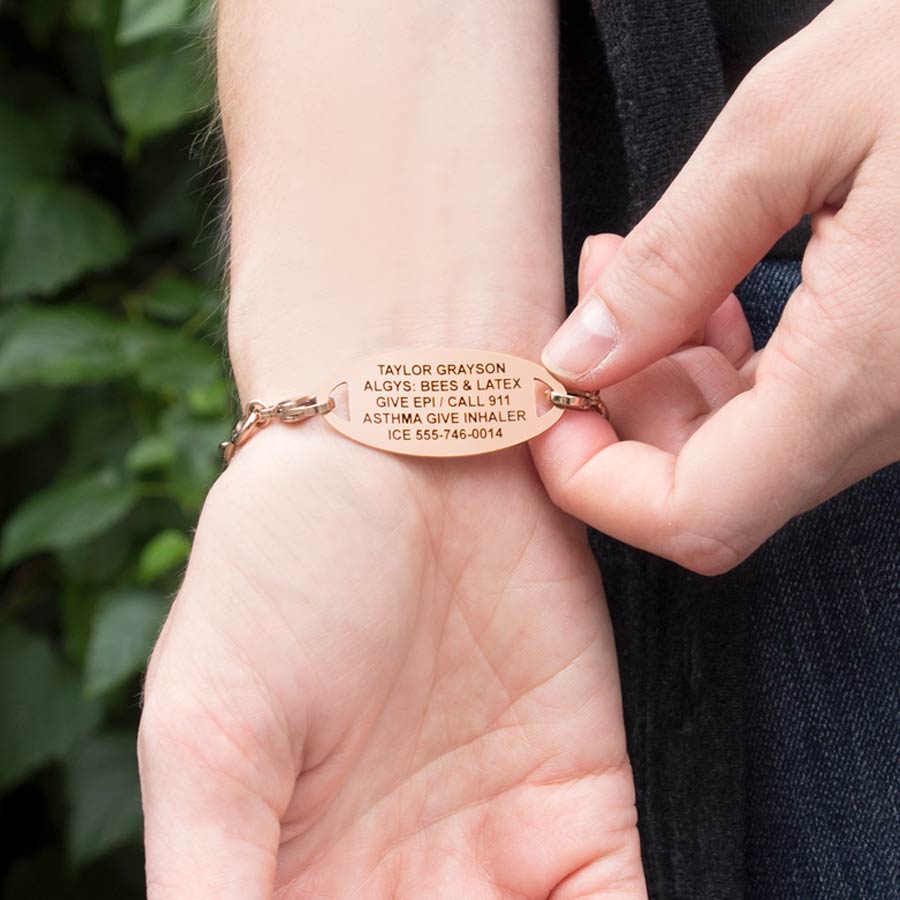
{"x":390,"y":186}
{"x":288,"y":340}
{"x":303,"y":463}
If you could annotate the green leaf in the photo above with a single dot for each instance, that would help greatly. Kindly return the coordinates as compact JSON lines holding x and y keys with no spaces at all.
{"x":32,"y":146}
{"x":198,"y":460}
{"x":171,"y":363}
{"x":122,"y":636}
{"x":65,"y":346}
{"x":212,"y":399}
{"x":65,"y":515}
{"x":77,"y":604}
{"x":140,"y":19}
{"x":41,"y":875}
{"x":54,"y":234}
{"x":41,"y":17}
{"x":102,"y":559}
{"x":162,"y":554}
{"x":42,"y":712}
{"x":204,"y":10}
{"x":90,"y":14}
{"x":150,"y":453}
{"x":94,"y":128}
{"x":103,"y":794}
{"x":168,"y":194}
{"x":102,"y":412}
{"x":172,"y":298}
{"x":48,"y":875}
{"x":166,"y":89}
{"x":26,"y":413}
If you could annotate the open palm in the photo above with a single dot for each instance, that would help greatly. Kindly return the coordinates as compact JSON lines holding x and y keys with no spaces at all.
{"x":386,"y":677}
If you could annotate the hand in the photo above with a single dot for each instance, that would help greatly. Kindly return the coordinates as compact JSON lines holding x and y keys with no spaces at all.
{"x":705,"y":468}
{"x":385,"y":677}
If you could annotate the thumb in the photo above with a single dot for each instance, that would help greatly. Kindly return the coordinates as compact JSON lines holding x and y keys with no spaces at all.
{"x":749,"y":181}
{"x":212,"y":784}
{"x":596,"y":253}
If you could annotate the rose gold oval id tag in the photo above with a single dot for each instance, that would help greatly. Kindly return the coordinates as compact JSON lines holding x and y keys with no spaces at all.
{"x":442,"y":401}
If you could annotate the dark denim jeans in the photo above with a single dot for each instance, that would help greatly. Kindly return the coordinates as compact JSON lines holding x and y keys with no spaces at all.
{"x":763,"y":706}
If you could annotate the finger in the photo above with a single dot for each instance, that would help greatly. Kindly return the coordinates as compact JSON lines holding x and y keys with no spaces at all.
{"x":596,"y":253}
{"x":209,"y":794}
{"x":728,"y":332}
{"x":770,"y":453}
{"x":752,"y":178}
{"x":664,"y":404}
{"x":726,"y":329}
{"x":208,"y":832}
{"x":748,"y":469}
{"x":822,"y":410}
{"x":842,"y":325}
{"x":706,"y":508}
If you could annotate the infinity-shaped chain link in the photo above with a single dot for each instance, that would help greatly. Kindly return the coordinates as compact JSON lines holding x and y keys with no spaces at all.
{"x":258,"y":416}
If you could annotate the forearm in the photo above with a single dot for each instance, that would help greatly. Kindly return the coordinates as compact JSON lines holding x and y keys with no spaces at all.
{"x":394,"y":181}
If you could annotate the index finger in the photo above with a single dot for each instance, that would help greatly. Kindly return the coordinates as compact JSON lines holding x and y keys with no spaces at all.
{"x":744,"y":473}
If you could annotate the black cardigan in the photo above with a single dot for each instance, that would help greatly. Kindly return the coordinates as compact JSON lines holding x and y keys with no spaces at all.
{"x":640,"y":83}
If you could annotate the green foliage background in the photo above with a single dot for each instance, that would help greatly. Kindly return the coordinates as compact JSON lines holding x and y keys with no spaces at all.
{"x":112,"y":400}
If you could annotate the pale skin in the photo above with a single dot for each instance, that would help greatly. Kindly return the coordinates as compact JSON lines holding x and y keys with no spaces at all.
{"x":386,"y":677}
{"x":712,"y":452}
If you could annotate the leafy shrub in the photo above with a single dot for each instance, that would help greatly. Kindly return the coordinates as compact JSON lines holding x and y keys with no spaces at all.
{"x":112,"y":400}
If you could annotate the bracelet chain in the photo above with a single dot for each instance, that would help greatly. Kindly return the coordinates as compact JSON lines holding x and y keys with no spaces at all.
{"x":258,"y":416}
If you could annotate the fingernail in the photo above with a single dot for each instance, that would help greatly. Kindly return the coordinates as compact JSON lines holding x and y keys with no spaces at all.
{"x":583,"y":341}
{"x":585,"y":251}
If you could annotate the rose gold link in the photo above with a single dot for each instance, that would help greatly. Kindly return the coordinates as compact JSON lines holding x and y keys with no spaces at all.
{"x":466,"y":402}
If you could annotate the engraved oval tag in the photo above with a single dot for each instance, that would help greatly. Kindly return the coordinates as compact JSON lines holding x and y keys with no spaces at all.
{"x":440,"y":401}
